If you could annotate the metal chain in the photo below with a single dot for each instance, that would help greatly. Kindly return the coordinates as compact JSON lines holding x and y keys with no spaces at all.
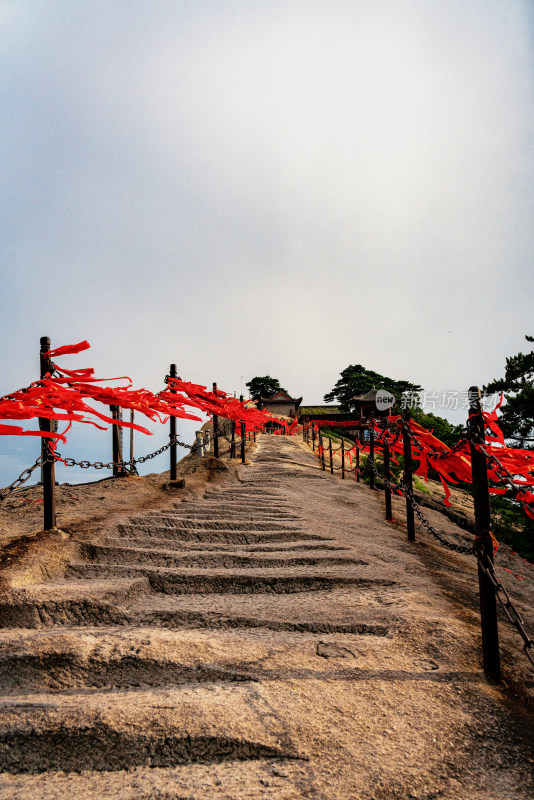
{"x":334,"y":449}
{"x":484,"y":562}
{"x":512,"y":614}
{"x":391,"y":486}
{"x":426,"y":524}
{"x":429,"y":451}
{"x":236,"y":437}
{"x":71,"y":462}
{"x":322,"y":450}
{"x":23,"y":477}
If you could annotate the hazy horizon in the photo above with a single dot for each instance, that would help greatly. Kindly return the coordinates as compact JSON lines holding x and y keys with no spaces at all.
{"x":249,"y":188}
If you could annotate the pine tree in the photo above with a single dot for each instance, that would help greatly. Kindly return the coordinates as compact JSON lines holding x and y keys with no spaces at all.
{"x":263,"y":387}
{"x":517,"y":415}
{"x":355,"y":380}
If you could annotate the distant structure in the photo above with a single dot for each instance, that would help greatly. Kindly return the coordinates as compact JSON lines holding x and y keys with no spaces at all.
{"x":365,"y":406}
{"x":313,"y":413}
{"x":281,"y":404}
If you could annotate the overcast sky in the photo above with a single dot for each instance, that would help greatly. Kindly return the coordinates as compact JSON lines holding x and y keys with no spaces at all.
{"x":266,"y":186}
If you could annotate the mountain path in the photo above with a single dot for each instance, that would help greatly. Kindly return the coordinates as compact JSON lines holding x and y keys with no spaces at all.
{"x":274,"y":639}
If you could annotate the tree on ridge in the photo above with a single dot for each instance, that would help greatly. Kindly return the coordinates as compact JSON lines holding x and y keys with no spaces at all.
{"x":516,"y":417}
{"x":356,"y":380}
{"x":264,"y":386}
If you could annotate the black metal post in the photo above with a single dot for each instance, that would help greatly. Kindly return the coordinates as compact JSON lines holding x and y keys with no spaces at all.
{"x":243,"y":435}
{"x":343,"y":459}
{"x":313,"y":437}
{"x":118,"y":467}
{"x":49,"y":464}
{"x":331,"y":456}
{"x":322,"y":450}
{"x":387,"y":490}
{"x":133,"y":468}
{"x":371,"y":455}
{"x":408,"y":479}
{"x":172,"y":433}
{"x":215,"y":428}
{"x":483,"y":541}
{"x":357,"y":457}
{"x":232,"y":445}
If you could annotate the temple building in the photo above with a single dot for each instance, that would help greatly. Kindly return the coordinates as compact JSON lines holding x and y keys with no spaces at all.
{"x":365,"y":406}
{"x":281,"y":404}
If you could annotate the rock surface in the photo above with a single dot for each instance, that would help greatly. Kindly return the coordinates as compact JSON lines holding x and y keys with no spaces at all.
{"x":269,"y":636}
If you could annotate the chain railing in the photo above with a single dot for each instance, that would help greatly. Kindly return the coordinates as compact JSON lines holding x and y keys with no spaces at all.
{"x":23,"y":477}
{"x":485,"y":563}
{"x":84,"y":464}
{"x":71,"y":462}
{"x":426,"y":524}
{"x":393,"y":488}
{"x":223,"y":435}
{"x":512,"y":614}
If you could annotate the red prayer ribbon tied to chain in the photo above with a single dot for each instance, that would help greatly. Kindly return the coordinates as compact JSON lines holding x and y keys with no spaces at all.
{"x":510,"y":466}
{"x":64,"y":394}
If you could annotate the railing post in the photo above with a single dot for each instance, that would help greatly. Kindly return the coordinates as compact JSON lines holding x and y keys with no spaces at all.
{"x":232,"y":445}
{"x":114,"y":442}
{"x":133,"y":469}
{"x":172,"y":433}
{"x":215,"y":428}
{"x":387,"y":490}
{"x":331,"y":456}
{"x":483,"y":541}
{"x":408,"y":479}
{"x":313,"y":437}
{"x":49,"y":464}
{"x":243,"y":435}
{"x":358,"y":436}
{"x":118,"y":465}
{"x":322,"y":450}
{"x":371,"y":455}
{"x":343,"y":459}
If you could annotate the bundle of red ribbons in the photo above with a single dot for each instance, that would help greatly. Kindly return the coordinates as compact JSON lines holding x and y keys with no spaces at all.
{"x":509,"y":467}
{"x":63,"y":394}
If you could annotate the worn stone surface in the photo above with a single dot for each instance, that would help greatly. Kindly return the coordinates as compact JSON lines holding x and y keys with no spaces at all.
{"x":266,"y":636}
